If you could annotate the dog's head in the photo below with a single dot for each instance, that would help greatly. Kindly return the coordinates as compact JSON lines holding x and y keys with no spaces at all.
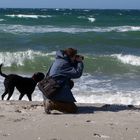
{"x":38,"y":76}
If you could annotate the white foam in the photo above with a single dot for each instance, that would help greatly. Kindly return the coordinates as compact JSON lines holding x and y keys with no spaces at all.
{"x":2,"y":20}
{"x":28,"y":16}
{"x":109,"y":98}
{"x":91,"y":19}
{"x":128,"y":59}
{"x":118,"y":29}
{"x":18,"y":58}
{"x":120,"y":14}
{"x":89,"y":89}
{"x":86,"y":10}
{"x":104,"y":89}
{"x":46,"y":29}
{"x":81,"y":17}
{"x":104,"y":98}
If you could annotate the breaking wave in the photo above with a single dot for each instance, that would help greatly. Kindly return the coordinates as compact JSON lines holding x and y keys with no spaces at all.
{"x":18,"y":58}
{"x":2,"y":20}
{"x":128,"y":59}
{"x":28,"y":16}
{"x":91,"y":19}
{"x":47,"y":29}
{"x":90,"y":89}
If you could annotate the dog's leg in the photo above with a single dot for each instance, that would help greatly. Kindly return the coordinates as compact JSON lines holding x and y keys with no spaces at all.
{"x":3,"y":95}
{"x":10,"y":91}
{"x":29,"y":97}
{"x":21,"y":96}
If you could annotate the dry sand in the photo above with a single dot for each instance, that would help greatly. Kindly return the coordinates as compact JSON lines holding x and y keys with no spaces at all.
{"x":23,"y":120}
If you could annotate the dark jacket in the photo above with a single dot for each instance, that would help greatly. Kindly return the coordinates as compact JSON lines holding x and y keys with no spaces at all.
{"x":62,"y":71}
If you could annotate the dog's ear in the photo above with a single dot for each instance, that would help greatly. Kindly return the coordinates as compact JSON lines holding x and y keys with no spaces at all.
{"x":38,"y":76}
{"x":1,"y":64}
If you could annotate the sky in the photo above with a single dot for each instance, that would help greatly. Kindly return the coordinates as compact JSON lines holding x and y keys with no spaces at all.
{"x":92,"y":4}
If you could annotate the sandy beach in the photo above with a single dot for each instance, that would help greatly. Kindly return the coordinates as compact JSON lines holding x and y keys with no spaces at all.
{"x":20,"y":120}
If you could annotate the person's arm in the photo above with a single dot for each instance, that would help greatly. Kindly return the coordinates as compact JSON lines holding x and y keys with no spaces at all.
{"x":74,"y":72}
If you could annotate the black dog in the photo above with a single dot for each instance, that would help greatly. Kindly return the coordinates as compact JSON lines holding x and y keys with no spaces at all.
{"x":24,"y":85}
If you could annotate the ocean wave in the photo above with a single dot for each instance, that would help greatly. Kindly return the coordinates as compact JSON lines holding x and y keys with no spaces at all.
{"x":81,"y":17}
{"x":47,"y":29}
{"x":109,"y":98}
{"x":18,"y":58}
{"x":128,"y":59}
{"x":105,"y":98}
{"x":2,"y":20}
{"x":95,"y":93}
{"x":112,"y":64}
{"x":91,"y":19}
{"x":106,"y":89}
{"x":28,"y":16}
{"x":86,"y":10}
{"x":120,"y":14}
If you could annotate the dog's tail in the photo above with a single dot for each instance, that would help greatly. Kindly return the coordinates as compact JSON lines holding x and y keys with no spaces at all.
{"x":2,"y":74}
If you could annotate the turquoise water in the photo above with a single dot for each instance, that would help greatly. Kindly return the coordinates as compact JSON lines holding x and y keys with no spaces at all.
{"x":109,"y":40}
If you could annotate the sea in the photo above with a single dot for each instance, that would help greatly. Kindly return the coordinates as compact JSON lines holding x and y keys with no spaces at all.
{"x":109,"y":40}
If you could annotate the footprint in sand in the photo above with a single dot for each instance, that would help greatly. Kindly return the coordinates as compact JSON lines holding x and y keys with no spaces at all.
{"x":18,"y":120}
{"x":2,"y":116}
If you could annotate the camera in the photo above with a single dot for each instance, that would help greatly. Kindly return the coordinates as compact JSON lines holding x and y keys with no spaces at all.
{"x":79,"y":56}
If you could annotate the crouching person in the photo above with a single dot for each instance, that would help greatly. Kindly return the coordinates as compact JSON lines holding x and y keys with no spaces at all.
{"x":67,"y":65}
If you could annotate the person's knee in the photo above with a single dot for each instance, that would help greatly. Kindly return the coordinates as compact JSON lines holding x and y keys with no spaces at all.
{"x":65,"y":107}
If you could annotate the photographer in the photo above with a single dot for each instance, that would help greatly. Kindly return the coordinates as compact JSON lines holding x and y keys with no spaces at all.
{"x":67,"y":65}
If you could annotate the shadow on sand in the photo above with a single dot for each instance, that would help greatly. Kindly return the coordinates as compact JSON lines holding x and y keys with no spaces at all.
{"x":107,"y":107}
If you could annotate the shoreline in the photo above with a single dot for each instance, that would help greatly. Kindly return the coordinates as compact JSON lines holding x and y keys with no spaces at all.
{"x":27,"y":120}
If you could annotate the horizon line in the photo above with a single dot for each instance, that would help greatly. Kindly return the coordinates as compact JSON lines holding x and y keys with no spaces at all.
{"x":69,"y":8}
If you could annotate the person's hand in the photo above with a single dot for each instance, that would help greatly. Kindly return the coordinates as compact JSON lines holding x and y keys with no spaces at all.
{"x":79,"y":58}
